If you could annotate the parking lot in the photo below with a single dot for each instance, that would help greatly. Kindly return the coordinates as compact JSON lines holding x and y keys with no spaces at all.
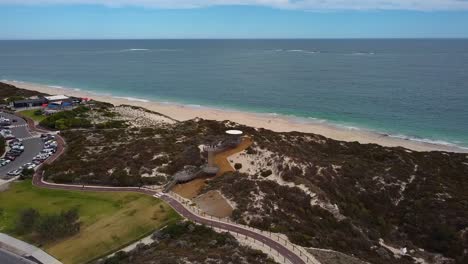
{"x":33,"y":144}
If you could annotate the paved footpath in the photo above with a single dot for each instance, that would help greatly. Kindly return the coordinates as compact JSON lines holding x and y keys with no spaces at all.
{"x":286,"y":253}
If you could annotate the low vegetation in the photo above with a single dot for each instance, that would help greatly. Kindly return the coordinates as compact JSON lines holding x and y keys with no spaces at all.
{"x":368,"y":191}
{"x":50,"y":227}
{"x":76,"y":118}
{"x":132,"y":156}
{"x":185,"y":242}
{"x":107,"y":221}
{"x":9,"y":93}
{"x":2,"y":145}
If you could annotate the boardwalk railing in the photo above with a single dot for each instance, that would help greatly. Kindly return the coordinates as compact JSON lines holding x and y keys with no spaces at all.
{"x":281,"y":239}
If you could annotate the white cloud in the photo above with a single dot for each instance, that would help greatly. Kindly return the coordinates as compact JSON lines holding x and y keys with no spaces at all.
{"x":285,"y":4}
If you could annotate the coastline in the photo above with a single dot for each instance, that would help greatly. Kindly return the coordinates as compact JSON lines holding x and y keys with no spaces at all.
{"x":276,"y":123}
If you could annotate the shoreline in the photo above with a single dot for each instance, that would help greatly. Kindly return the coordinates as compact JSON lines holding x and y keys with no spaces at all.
{"x":272,"y":122}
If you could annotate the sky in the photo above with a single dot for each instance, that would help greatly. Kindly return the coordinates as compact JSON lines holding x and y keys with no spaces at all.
{"x":157,"y":19}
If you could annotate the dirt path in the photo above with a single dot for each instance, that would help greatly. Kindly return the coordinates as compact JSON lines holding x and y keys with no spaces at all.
{"x":192,"y":189}
{"x":213,"y":203}
{"x":221,"y":159}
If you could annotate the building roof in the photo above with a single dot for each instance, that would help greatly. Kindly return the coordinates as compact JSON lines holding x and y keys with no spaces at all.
{"x":57,"y":97}
{"x":234,"y":132}
{"x":27,"y":101}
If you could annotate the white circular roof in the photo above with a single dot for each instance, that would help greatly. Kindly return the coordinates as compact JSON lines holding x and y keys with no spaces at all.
{"x":234,"y":132}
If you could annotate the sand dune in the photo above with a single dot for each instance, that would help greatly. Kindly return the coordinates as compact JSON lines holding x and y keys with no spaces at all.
{"x":275,"y":123}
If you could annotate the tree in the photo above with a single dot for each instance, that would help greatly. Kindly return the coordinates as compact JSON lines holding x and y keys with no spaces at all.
{"x":27,"y":220}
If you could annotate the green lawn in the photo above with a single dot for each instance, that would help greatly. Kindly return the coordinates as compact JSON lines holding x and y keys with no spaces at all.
{"x":30,"y":114}
{"x":109,"y":220}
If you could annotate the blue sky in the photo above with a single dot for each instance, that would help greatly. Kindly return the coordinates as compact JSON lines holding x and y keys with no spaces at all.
{"x":95,"y":19}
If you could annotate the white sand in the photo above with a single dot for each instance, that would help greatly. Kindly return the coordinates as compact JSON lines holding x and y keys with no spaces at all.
{"x":275,"y":123}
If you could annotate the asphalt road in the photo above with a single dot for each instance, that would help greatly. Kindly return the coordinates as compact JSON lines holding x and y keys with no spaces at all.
{"x":9,"y":258}
{"x":32,"y":146}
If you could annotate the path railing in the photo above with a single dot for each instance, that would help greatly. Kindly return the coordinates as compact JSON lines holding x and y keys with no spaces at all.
{"x":281,"y":239}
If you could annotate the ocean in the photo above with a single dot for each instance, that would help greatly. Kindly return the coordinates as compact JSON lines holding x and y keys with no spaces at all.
{"x":413,"y":89}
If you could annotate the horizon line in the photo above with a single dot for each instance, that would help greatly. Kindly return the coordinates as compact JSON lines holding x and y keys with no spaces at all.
{"x":275,"y":38}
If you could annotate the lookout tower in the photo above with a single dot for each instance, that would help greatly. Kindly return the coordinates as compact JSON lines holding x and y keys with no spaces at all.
{"x":233,"y":138}
{"x":211,"y":167}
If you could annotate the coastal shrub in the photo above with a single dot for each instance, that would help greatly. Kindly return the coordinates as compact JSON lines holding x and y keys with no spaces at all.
{"x":2,"y":145}
{"x":27,"y":174}
{"x":112,"y":124}
{"x":27,"y":219}
{"x":13,"y":92}
{"x":192,"y":243}
{"x":48,"y":227}
{"x":15,"y":98}
{"x":57,"y":226}
{"x":266,"y":173}
{"x":238,"y":166}
{"x":68,"y":119}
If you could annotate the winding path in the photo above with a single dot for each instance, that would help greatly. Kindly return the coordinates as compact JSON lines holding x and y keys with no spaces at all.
{"x":38,"y":181}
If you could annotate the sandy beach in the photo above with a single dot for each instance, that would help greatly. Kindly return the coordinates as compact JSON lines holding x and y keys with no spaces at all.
{"x":275,"y":123}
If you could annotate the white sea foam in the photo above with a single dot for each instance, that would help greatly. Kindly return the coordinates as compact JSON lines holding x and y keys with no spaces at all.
{"x":296,"y":50}
{"x":362,"y":53}
{"x":55,"y":86}
{"x":427,"y":140}
{"x":168,"y":50}
{"x":134,"y":50}
{"x":132,"y":99}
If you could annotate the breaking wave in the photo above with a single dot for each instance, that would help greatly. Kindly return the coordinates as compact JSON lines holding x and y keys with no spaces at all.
{"x":131,"y":99}
{"x":134,"y":50}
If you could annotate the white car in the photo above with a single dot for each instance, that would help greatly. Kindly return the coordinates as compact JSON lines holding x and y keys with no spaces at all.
{"x":14,"y":173}
{"x":18,"y":147}
{"x":29,"y":166}
{"x":4,"y":162}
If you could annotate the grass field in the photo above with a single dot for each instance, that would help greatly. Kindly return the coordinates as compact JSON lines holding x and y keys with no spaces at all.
{"x":109,"y":220}
{"x":30,"y":114}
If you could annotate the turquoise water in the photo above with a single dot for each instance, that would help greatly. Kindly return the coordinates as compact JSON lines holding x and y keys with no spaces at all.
{"x":408,"y":88}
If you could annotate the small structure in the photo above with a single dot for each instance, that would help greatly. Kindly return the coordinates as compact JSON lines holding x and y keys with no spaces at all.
{"x":211,"y":167}
{"x":233,"y":138}
{"x":187,"y":174}
{"x":57,"y":102}
{"x":57,"y":98}
{"x":26,"y":103}
{"x":50,"y":102}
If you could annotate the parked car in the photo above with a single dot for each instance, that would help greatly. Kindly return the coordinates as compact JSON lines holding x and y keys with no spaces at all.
{"x":14,"y":173}
{"x":28,"y":166}
{"x":15,"y":152}
{"x":4,"y":162}
{"x":9,"y":136}
{"x":9,"y":157}
{"x":18,"y":147}
{"x":47,"y":136}
{"x":14,"y":141}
